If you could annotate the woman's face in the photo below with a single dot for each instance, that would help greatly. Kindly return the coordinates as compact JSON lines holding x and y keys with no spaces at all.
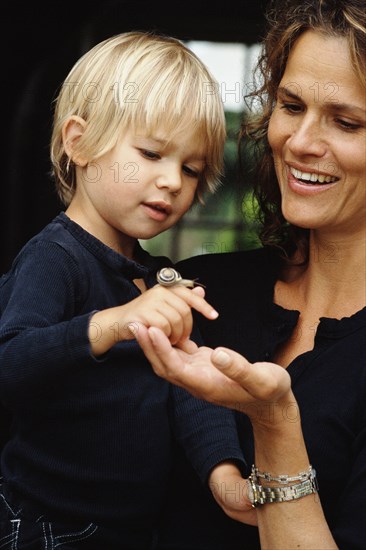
{"x":317,"y":133}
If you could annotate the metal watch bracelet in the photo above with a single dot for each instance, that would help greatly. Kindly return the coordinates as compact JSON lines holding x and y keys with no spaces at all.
{"x":259,"y":495}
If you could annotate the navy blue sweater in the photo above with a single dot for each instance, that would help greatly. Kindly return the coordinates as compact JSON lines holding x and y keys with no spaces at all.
{"x":91,"y":438}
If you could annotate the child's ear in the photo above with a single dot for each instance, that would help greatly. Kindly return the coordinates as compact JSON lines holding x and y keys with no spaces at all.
{"x":72,"y":130}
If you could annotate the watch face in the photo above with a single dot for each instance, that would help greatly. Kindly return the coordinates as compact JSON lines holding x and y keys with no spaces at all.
{"x":250,"y":491}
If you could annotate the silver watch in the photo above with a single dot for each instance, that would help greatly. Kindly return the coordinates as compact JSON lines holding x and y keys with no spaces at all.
{"x":258,"y":494}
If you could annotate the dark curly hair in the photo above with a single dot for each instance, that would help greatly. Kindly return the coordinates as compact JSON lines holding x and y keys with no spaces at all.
{"x":286,"y":21}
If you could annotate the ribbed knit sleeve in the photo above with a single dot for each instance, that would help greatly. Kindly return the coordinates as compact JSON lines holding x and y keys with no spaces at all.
{"x":207,"y":433}
{"x":41,"y":334}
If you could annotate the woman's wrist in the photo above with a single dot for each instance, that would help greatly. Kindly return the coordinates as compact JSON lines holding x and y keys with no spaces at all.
{"x":279,"y":442}
{"x":276,"y":418}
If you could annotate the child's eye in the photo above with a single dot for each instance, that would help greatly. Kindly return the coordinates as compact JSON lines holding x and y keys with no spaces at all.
{"x":191,"y":172}
{"x":346,"y":125}
{"x":150,"y":154}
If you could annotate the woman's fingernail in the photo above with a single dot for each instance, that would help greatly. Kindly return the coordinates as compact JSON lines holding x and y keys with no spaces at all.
{"x":214,"y":314}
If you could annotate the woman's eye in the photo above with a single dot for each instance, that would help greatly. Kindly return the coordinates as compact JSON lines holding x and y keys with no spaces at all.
{"x":292,"y":108}
{"x":149,"y":154}
{"x":346,"y":125}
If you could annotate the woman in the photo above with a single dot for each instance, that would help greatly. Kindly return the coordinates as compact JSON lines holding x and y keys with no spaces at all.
{"x":293,"y":313}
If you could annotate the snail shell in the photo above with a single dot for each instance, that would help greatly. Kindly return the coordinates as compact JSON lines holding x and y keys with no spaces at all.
{"x":167,"y":276}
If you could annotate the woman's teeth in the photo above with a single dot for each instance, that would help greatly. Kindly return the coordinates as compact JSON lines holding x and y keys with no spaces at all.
{"x":312,"y":177}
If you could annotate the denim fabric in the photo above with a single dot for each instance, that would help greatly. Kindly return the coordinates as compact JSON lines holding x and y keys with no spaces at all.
{"x":17,"y":532}
{"x":20,"y":532}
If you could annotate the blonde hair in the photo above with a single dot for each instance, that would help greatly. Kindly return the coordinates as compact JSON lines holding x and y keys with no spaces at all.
{"x":138,"y":80}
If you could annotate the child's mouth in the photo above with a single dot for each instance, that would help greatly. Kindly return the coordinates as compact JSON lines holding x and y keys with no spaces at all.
{"x":158,"y":210}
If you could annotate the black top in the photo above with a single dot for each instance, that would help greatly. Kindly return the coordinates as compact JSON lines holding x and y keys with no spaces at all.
{"x":329,"y":383}
{"x":91,"y":438}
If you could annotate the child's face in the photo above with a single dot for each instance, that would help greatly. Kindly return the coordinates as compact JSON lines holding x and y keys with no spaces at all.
{"x":139,"y":189}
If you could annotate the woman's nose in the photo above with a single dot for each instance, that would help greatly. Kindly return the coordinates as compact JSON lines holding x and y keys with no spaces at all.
{"x":308,"y":138}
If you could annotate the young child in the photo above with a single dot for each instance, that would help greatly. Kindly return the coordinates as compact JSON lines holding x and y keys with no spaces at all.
{"x":138,"y":136}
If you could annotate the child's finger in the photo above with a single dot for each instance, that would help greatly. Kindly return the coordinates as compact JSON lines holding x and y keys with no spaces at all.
{"x":187,"y":345}
{"x":196,"y":301}
{"x":179,"y":321}
{"x":199,"y":290}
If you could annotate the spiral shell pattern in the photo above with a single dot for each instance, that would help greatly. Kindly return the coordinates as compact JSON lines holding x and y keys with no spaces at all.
{"x":167,"y":276}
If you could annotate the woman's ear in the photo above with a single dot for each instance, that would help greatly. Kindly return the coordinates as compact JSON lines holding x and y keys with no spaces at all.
{"x":72,"y":130}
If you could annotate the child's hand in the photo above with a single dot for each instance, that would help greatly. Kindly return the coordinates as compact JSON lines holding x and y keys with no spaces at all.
{"x":230,"y":491}
{"x":166,"y":308}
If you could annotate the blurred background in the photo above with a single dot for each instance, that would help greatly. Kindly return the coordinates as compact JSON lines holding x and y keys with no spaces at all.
{"x":39,"y":46}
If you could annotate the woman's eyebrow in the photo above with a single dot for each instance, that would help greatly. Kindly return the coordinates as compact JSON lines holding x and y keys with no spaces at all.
{"x":286,"y":91}
{"x":332,"y":104}
{"x":347,"y":107}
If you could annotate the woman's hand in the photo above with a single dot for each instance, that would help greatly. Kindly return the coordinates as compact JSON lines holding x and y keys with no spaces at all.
{"x":221,"y":376}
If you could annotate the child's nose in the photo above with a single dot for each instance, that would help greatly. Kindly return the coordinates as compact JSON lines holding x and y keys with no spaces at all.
{"x":170,"y":178}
